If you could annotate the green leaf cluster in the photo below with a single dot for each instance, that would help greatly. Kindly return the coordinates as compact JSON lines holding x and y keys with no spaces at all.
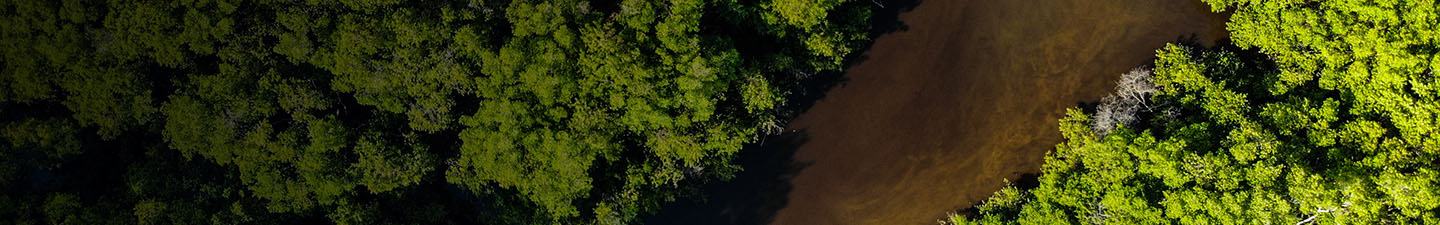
{"x":382,"y":111}
{"x":1322,"y":113}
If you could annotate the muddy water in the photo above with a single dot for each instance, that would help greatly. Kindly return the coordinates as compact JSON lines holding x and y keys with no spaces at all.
{"x":969,"y":95}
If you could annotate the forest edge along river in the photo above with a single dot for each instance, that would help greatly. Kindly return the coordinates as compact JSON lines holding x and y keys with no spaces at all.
{"x":938,"y":115}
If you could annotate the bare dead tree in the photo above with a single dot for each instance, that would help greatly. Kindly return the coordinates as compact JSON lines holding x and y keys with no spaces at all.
{"x":1098,"y":213}
{"x":1136,"y":86}
{"x":1344,"y":207}
{"x":1123,"y":106}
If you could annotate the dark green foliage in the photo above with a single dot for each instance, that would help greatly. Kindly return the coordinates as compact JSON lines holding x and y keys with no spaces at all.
{"x":361,"y":112}
{"x":1329,"y":117}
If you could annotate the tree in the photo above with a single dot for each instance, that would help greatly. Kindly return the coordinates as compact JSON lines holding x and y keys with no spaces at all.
{"x":1322,"y":113}
{"x":1124,"y":105}
{"x":356,"y":111}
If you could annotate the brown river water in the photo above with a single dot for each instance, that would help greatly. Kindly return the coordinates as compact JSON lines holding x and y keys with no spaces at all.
{"x":938,"y":115}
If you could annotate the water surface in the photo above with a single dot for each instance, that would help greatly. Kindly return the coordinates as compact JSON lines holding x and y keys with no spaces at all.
{"x":938,"y":115}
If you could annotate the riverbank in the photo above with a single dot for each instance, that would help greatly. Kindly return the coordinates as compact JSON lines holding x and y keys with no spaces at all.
{"x":939,"y":114}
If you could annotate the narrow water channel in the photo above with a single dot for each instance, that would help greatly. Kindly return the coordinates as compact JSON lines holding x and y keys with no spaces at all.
{"x":939,"y":114}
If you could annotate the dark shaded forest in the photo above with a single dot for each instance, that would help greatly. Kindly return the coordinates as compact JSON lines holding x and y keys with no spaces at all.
{"x":393,"y":112}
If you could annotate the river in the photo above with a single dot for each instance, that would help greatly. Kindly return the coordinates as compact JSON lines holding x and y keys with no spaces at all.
{"x":938,"y":115}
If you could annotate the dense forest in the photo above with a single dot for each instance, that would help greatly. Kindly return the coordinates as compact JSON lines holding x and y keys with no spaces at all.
{"x":392,"y":112}
{"x":1318,"y":112}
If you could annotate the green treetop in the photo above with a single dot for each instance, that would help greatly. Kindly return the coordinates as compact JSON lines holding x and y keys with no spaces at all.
{"x":356,"y":111}
{"x":1328,"y":115}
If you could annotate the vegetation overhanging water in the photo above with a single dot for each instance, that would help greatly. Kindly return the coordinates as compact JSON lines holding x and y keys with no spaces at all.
{"x":600,"y":112}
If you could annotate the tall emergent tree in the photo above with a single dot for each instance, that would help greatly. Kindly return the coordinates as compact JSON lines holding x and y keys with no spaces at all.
{"x":1324,"y":112}
{"x":384,"y":111}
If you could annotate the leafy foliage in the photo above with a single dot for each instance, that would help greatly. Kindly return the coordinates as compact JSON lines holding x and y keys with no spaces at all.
{"x":1332,"y":121}
{"x":377,"y":111}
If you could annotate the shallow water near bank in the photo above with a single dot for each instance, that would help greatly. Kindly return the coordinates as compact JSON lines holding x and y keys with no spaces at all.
{"x":937,"y":116}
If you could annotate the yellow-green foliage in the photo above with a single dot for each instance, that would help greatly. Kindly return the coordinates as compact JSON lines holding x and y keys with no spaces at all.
{"x":1330,"y":117}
